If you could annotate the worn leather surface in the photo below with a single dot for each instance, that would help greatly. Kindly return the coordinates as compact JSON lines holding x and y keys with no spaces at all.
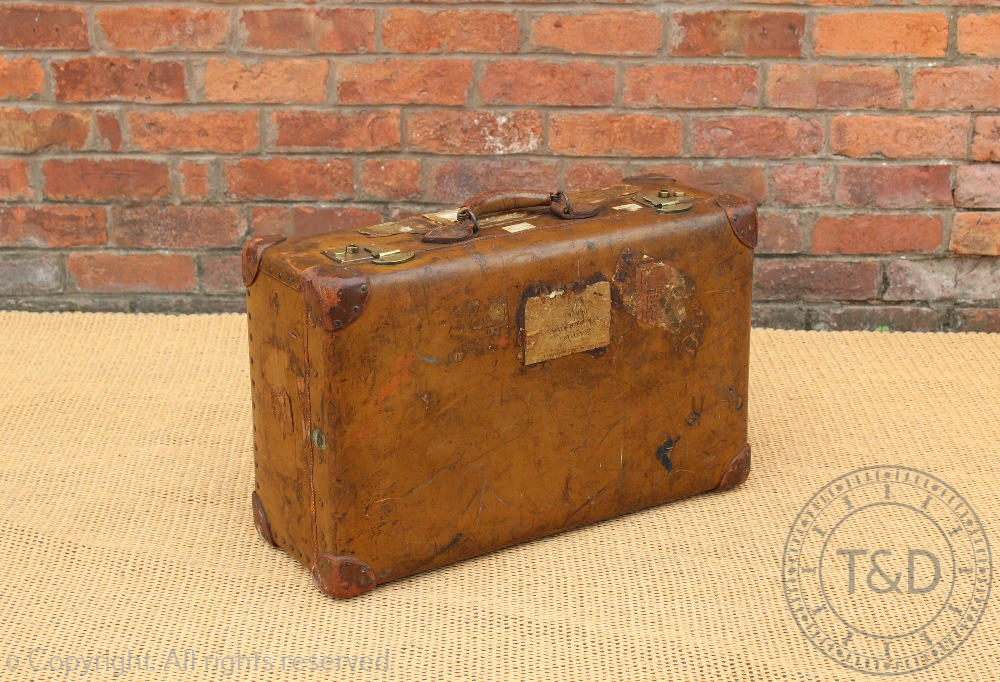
{"x":418,"y":435}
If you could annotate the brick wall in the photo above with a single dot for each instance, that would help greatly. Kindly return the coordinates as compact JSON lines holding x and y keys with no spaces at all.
{"x":141,"y":143}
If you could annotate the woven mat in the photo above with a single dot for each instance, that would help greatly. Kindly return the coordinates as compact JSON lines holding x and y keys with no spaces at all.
{"x":127,"y":549}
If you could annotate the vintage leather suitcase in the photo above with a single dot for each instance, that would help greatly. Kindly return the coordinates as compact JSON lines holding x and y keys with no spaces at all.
{"x":439,"y":387}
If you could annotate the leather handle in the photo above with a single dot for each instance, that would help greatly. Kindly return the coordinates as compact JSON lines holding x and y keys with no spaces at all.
{"x":498,"y":202}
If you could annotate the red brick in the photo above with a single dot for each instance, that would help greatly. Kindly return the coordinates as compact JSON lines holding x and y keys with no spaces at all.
{"x":29,"y":273}
{"x":278,"y":81}
{"x":147,"y":29}
{"x":14,"y":179}
{"x":588,"y":174}
{"x":691,"y":86}
{"x":744,"y":181}
{"x":177,"y":227}
{"x":109,"y":132}
{"x":95,"y":79}
{"x":749,"y":34}
{"x":986,"y":139}
{"x":977,"y":320}
{"x":290,"y":178}
{"x":757,"y":136}
{"x":96,"y":180}
{"x":39,"y":27}
{"x":899,"y":137}
{"x":601,"y":32}
{"x":614,"y":134}
{"x":370,"y":131}
{"x":217,"y":131}
{"x":796,"y":184}
{"x":270,"y":219}
{"x":919,"y":34}
{"x":895,"y":186}
{"x":24,"y":131}
{"x":879,"y":318}
{"x":55,"y":226}
{"x":412,"y":30}
{"x":957,"y":87}
{"x":826,"y":86}
{"x":979,"y":34}
{"x":976,"y":234}
{"x":131,"y":273}
{"x":406,"y":81}
{"x":877,"y":233}
{"x":814,"y":280}
{"x":310,"y":30}
{"x":978,"y":186}
{"x":474,"y":132}
{"x":455,"y":181}
{"x":577,"y":83}
{"x":221,"y":273}
{"x":779,"y":232}
{"x":962,"y":279}
{"x":391,"y":178}
{"x":305,"y":220}
{"x":21,"y":78}
{"x":194,"y":181}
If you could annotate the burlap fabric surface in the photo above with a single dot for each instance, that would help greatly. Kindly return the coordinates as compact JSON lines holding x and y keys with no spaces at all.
{"x":127,"y":549}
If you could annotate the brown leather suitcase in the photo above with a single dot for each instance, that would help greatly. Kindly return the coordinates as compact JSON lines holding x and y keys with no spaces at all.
{"x":442,"y":386}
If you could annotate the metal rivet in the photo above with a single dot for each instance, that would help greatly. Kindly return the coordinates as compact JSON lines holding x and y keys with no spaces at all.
{"x":364,"y":288}
{"x":338,"y":324}
{"x":356,"y":309}
{"x":319,"y":439}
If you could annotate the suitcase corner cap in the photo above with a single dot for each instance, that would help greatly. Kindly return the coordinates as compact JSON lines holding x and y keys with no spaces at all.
{"x":342,"y":577}
{"x":334,"y":296}
{"x":253,"y":252}
{"x":742,"y":216}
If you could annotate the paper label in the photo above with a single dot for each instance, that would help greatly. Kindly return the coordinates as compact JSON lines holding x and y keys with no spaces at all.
{"x":564,"y":322}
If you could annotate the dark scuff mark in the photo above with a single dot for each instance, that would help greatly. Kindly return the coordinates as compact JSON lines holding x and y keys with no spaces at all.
{"x":695,"y":412}
{"x":451,"y":543}
{"x":663,"y":452}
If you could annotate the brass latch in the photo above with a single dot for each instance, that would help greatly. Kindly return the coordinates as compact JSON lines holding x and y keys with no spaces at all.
{"x":378,"y":255}
{"x":670,"y":201}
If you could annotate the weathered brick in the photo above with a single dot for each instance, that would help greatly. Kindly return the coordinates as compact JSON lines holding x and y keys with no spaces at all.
{"x":976,"y":234}
{"x":756,"y":136}
{"x":414,"y":30}
{"x":986,"y":139}
{"x":455,"y":181}
{"x":377,"y":130}
{"x":879,"y":318}
{"x":700,"y":85}
{"x":877,"y":233}
{"x":406,"y":81}
{"x":278,"y":81}
{"x":391,"y":178}
{"x":305,"y":220}
{"x":95,"y":79}
{"x":217,"y":131}
{"x":978,"y":186}
{"x":177,"y":227}
{"x":961,"y":279}
{"x":24,"y":131}
{"x":148,"y":29}
{"x":290,"y":178}
{"x":193,"y":181}
{"x":474,"y":132}
{"x":578,"y":83}
{"x":814,"y":280}
{"x":310,"y":30}
{"x":95,"y":180}
{"x":727,"y":178}
{"x":957,"y":87}
{"x":600,"y":32}
{"x":918,"y":34}
{"x":588,"y":174}
{"x":748,"y":34}
{"x":614,"y":134}
{"x":779,"y":232}
{"x":979,"y":34}
{"x":131,"y":273}
{"x":899,"y":137}
{"x":20,"y":78}
{"x":977,"y":319}
{"x":895,"y":186}
{"x":14,"y":179}
{"x":828,"y":86}
{"x":109,"y":132}
{"x":777,"y":316}
{"x":41,"y":27}
{"x":221,"y":273}
{"x":796,"y":184}
{"x":55,"y":226}
{"x":24,"y":274}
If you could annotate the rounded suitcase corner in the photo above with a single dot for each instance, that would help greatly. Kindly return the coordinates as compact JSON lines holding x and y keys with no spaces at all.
{"x":342,"y":577}
{"x":737,"y":470}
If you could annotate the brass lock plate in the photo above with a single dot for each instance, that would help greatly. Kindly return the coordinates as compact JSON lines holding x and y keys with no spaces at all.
{"x":670,"y":201}
{"x":375,"y":254}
